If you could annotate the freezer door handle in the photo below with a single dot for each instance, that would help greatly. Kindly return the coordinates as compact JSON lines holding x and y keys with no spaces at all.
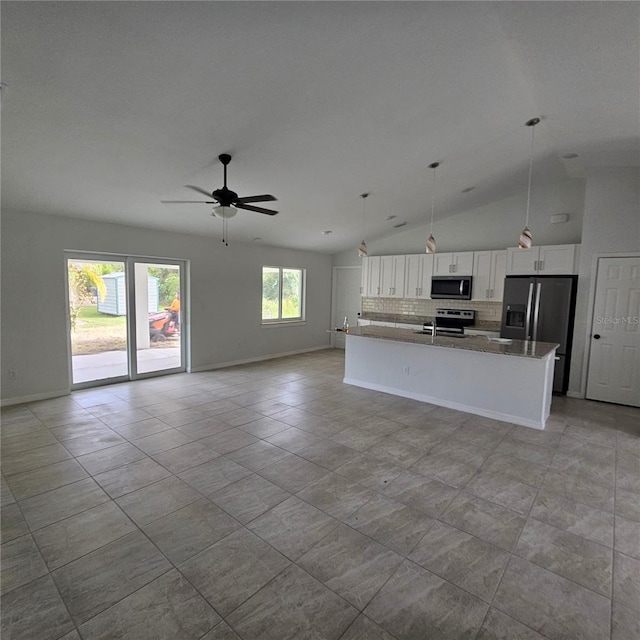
{"x":527,"y":324}
{"x":536,"y":312}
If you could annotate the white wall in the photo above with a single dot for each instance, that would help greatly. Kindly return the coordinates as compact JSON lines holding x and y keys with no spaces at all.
{"x":494,"y":226}
{"x":611,"y":224}
{"x":225,"y":296}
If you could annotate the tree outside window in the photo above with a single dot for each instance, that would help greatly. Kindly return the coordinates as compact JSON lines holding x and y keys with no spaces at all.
{"x":282,"y":294}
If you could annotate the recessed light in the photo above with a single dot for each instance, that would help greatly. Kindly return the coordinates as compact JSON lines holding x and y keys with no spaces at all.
{"x":328,"y":232}
{"x":400,"y":224}
{"x":570,"y":156}
{"x":467,"y":189}
{"x":391,"y":217}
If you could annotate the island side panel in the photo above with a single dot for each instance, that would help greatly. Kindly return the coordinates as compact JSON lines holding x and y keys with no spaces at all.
{"x":509,"y":388}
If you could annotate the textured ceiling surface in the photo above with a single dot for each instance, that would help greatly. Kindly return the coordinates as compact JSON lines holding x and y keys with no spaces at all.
{"x":110,"y":107}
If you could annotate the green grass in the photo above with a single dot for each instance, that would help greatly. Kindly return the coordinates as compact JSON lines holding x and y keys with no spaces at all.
{"x":90,"y":317}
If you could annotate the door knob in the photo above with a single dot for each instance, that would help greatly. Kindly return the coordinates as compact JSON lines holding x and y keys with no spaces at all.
{"x":596,"y":336}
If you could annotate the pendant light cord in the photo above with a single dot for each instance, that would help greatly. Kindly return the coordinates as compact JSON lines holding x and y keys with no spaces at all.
{"x":433,"y":166}
{"x":364,"y":197}
{"x":531,"y":123}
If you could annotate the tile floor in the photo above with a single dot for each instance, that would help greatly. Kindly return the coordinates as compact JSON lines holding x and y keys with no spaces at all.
{"x":271,"y":501}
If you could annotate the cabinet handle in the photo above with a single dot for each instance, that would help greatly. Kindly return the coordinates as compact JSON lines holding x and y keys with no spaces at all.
{"x":360,"y":289}
{"x":417,"y":294}
{"x":488,"y":294}
{"x":420,"y":291}
{"x":378,"y":291}
{"x":541,"y":267}
{"x":491,"y":296}
{"x":536,"y":265}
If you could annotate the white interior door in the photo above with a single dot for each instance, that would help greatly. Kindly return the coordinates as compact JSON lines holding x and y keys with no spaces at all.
{"x":345,"y":300}
{"x":614,"y":360}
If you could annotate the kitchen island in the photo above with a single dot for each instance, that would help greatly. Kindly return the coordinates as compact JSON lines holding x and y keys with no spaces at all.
{"x":509,"y":381}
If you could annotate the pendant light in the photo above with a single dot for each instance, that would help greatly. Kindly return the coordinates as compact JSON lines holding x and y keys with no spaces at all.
{"x":526,"y":240}
{"x":431,"y":241}
{"x":362,"y":249}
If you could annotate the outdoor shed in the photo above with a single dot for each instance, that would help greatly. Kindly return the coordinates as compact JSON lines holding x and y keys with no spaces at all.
{"x":115,"y":299}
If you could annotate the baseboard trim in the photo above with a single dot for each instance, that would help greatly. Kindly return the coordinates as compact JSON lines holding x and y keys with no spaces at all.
{"x":575,"y":394}
{"x":7,"y":402}
{"x":273,"y":356}
{"x":485,"y":413}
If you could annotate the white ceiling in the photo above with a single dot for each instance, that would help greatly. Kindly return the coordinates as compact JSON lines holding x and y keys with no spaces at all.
{"x":111,"y":107}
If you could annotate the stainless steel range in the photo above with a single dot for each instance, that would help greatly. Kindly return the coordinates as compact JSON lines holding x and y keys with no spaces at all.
{"x":450,"y":322}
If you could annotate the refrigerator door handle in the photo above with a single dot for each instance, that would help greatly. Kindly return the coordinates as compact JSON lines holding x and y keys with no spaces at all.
{"x":536,"y":311}
{"x":527,"y":325}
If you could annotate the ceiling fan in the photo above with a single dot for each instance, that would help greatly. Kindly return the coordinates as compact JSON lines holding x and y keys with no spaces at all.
{"x":227,"y":202}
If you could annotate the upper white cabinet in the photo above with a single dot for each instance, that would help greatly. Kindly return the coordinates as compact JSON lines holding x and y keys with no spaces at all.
{"x":460,"y":264}
{"x":417,"y":276}
{"x":383,"y":276}
{"x":557,"y":259}
{"x":410,"y":276}
{"x":392,"y":276}
{"x":489,"y":270}
{"x":364,"y":278}
{"x":372,"y":288}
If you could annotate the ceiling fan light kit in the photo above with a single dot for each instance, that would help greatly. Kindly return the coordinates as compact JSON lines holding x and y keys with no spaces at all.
{"x":525,"y":241}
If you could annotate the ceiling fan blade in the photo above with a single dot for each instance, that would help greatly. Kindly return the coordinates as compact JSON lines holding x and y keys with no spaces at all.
{"x":249,"y":207}
{"x":186,"y":202}
{"x":199,"y":190}
{"x":264,"y":198}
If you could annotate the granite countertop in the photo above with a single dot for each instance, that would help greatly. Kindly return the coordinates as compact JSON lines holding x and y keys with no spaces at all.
{"x":520,"y":348}
{"x":420,"y":320}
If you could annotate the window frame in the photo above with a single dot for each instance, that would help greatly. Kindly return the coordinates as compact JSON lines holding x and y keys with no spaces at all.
{"x":280,"y":321}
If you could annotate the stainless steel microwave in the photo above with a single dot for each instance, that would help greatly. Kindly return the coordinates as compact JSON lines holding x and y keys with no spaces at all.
{"x":451,"y":287}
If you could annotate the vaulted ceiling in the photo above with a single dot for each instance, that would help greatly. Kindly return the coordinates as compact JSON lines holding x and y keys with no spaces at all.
{"x":110,"y":107}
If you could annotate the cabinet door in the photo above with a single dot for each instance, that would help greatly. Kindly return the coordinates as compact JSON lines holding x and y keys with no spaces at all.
{"x":373,"y":280}
{"x":412,"y":276}
{"x":386,"y":276}
{"x":426,"y":264}
{"x":498,"y":273}
{"x":557,"y":259}
{"x":397,"y":277}
{"x":364,"y":277}
{"x":462,"y":263}
{"x":522,"y":262}
{"x":481,"y":285}
{"x":442,"y":264}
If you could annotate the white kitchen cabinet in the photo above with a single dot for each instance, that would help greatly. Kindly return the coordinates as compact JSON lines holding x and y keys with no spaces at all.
{"x":447,"y":264}
{"x":489,"y":270}
{"x":417,"y":276}
{"x":364,"y":278}
{"x":373,"y":277}
{"x":392,"y":276}
{"x":558,"y":259}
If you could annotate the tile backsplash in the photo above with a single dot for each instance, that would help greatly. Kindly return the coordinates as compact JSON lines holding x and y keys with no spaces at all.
{"x":486,"y":312}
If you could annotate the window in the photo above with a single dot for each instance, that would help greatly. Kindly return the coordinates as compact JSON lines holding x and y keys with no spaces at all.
{"x":282,"y":295}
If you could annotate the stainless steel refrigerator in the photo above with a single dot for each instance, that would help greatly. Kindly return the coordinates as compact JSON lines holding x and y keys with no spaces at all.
{"x":542,"y":308}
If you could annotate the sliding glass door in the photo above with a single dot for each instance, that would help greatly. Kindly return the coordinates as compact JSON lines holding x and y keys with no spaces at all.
{"x":158,"y":314}
{"x":126,"y":318}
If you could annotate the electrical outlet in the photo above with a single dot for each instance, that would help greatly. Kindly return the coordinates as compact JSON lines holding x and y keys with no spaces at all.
{"x":13,"y":374}
{"x":405,"y":370}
